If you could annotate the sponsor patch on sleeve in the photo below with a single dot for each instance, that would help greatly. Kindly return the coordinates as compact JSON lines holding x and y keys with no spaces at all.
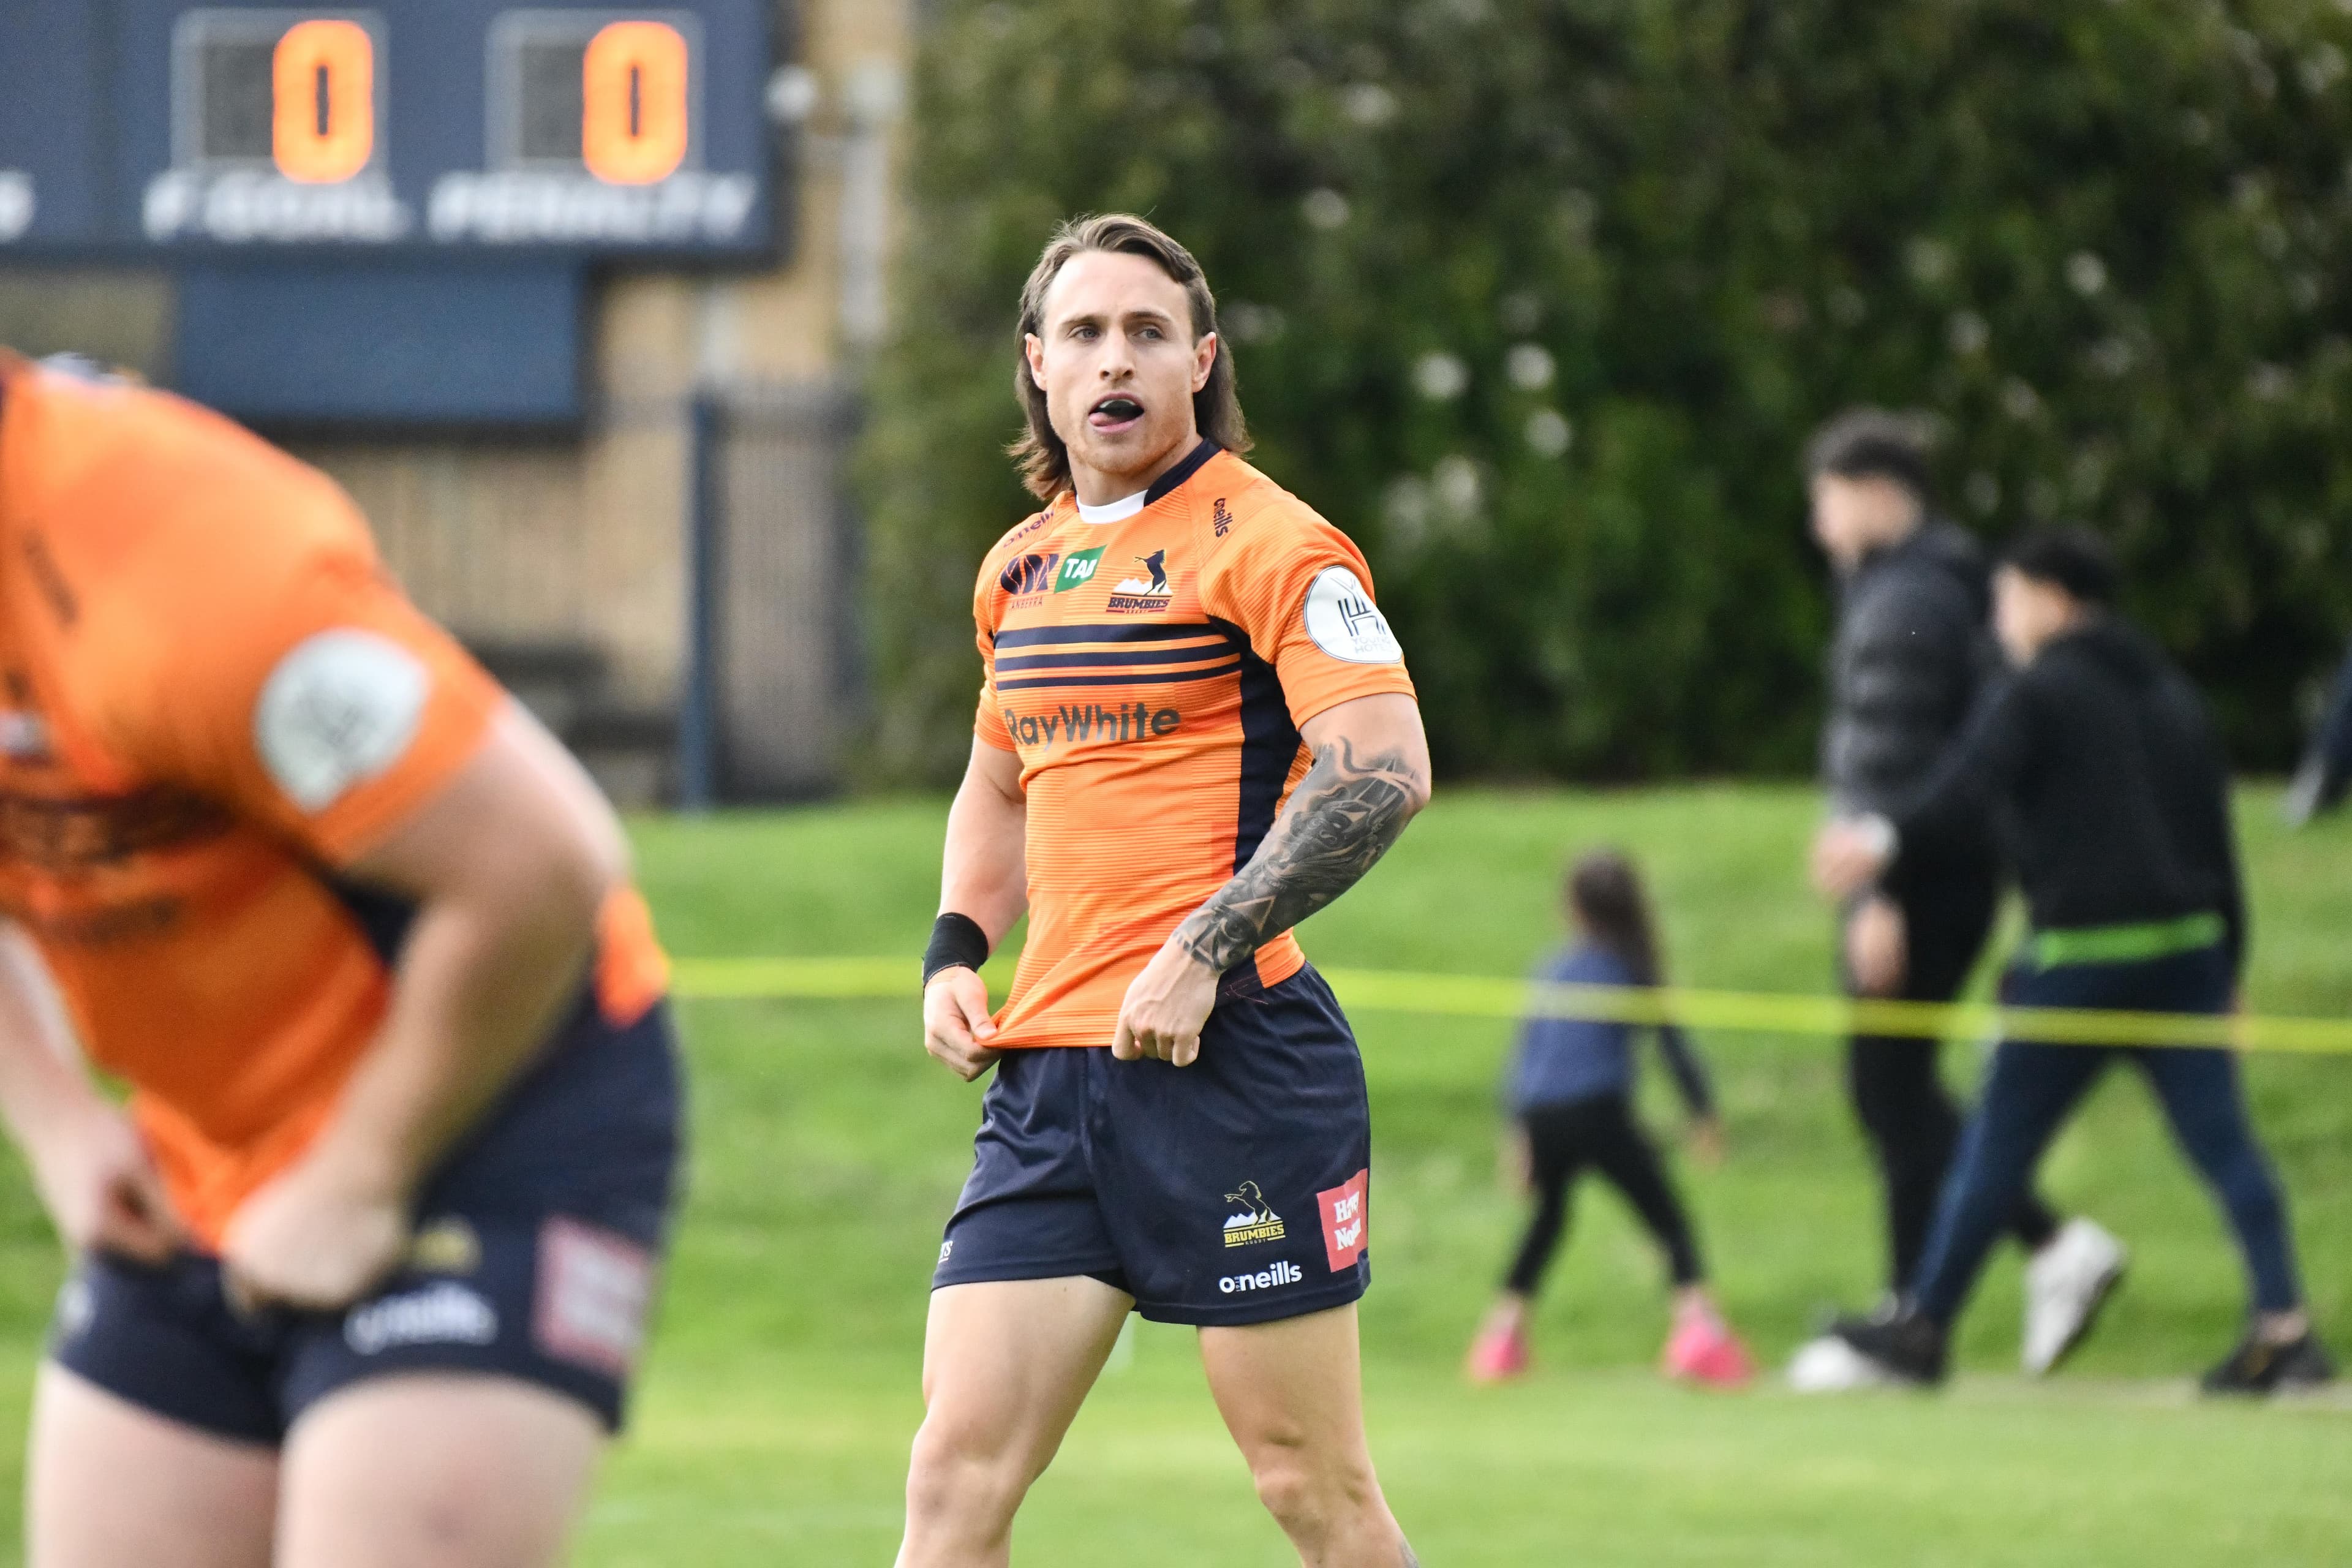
{"x":1346,"y":1217}
{"x":1346,"y":624}
{"x":593,"y":1291}
{"x":337,"y":710}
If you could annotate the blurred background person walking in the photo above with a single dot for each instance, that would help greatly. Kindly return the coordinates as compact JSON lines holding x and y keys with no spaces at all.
{"x":1569,"y":1094}
{"x":1912,"y":656}
{"x":2102,"y":755}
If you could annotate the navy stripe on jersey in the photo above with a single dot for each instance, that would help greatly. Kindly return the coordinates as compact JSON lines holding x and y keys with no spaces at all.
{"x":1112,"y":658}
{"x":1163,"y":678}
{"x":1270,"y":745}
{"x":1117,"y":631}
{"x":384,"y":918}
{"x":1166,"y":484}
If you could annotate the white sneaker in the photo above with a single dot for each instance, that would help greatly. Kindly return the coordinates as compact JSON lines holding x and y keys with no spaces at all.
{"x":1830,"y":1365}
{"x":2066,"y":1283}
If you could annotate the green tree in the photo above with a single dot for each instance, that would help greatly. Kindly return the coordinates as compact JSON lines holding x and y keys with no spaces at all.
{"x":1539,"y":298}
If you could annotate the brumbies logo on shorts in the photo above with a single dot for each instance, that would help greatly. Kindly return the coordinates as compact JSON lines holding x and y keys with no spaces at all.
{"x":447,"y":1246}
{"x":1136,"y":595}
{"x":1256,"y":1221}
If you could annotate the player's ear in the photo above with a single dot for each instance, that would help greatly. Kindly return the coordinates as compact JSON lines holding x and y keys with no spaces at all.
{"x":1204,"y":359}
{"x":1034,"y":347}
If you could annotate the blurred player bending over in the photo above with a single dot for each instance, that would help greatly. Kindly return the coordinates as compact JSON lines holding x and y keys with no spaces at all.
{"x":1174,"y":767}
{"x":360,"y":1278}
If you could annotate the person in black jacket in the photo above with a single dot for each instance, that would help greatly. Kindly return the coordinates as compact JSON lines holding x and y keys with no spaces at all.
{"x":2102,"y":755}
{"x":1912,"y":658}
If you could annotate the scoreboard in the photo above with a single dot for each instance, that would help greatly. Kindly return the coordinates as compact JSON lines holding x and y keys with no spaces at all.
{"x":406,"y":126}
{"x":388,"y":216}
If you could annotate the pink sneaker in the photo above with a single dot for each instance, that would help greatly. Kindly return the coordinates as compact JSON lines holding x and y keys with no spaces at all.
{"x":1497,"y":1355}
{"x":1704,"y":1350}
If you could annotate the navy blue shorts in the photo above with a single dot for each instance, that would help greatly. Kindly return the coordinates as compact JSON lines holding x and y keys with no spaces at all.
{"x":537,"y":1249}
{"x":1232,"y":1191}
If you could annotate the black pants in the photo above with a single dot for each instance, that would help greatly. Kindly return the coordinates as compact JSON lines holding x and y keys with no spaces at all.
{"x":1600,"y":1133}
{"x":1898,"y":1094}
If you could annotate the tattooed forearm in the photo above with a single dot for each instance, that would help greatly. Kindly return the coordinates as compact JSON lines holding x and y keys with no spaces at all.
{"x":1342,"y":817}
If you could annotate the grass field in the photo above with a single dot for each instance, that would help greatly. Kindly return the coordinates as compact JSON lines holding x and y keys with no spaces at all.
{"x":779,"y":1399}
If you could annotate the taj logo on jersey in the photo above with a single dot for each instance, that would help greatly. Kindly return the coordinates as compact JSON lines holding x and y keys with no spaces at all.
{"x":1077,"y":570}
{"x":1138,"y":595}
{"x":1255,"y":1221}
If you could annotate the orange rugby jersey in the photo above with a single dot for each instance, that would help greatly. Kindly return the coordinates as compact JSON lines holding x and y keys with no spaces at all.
{"x":1152,"y":675}
{"x":213,"y":699}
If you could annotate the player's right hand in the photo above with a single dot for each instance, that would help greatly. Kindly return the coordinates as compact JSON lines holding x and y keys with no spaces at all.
{"x":102,"y":1188}
{"x":956,"y":1026}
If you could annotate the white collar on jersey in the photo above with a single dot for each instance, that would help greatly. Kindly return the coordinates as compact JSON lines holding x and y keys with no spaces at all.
{"x":1117,"y":510}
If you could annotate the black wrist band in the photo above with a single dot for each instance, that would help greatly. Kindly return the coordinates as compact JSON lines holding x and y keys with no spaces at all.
{"x":955,"y":940}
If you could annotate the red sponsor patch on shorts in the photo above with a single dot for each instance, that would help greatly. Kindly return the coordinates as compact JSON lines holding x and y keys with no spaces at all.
{"x":1347,"y":1215}
{"x":594,"y":1288}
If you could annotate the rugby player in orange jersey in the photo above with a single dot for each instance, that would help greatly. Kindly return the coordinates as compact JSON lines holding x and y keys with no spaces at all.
{"x":1195,"y":730}
{"x":359,"y":1275}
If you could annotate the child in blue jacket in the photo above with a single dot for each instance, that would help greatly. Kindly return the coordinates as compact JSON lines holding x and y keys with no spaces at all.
{"x":1570,"y":1095}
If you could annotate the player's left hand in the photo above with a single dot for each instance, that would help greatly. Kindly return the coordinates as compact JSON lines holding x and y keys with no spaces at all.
{"x":1847,"y":857}
{"x":1165,"y":1007}
{"x":316,"y":1240}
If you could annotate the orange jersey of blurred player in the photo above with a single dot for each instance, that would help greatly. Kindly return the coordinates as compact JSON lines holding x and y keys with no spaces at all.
{"x":184,"y":615}
{"x":1151,"y":673}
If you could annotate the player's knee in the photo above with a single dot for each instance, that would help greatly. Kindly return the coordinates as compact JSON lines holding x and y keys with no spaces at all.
{"x":961,"y":1471}
{"x":1309,"y":1495}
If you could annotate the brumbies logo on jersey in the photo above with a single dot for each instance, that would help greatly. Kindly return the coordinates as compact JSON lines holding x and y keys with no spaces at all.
{"x":1138,"y":596}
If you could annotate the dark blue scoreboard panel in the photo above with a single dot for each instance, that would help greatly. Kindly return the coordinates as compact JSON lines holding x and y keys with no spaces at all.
{"x":392,"y":183}
{"x":430,"y":125}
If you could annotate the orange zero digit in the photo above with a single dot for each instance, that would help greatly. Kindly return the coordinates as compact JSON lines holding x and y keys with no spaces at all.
{"x":323,"y":80}
{"x":633,"y":117}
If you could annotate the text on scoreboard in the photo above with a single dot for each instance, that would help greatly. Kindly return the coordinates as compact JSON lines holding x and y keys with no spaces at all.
{"x":417,"y":124}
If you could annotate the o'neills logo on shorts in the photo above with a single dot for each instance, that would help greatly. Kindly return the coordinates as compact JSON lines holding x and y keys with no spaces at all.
{"x":441,"y":1314}
{"x":1255,"y":1221}
{"x":1267,"y":1279}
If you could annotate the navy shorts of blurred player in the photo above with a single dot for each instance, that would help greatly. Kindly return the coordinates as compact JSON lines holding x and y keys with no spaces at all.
{"x":536,"y":1252}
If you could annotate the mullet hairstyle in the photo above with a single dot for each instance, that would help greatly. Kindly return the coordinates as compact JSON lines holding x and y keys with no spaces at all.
{"x":1044,"y":456}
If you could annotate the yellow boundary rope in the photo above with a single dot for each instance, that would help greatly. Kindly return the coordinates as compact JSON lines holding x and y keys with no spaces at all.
{"x":1483,"y":996}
